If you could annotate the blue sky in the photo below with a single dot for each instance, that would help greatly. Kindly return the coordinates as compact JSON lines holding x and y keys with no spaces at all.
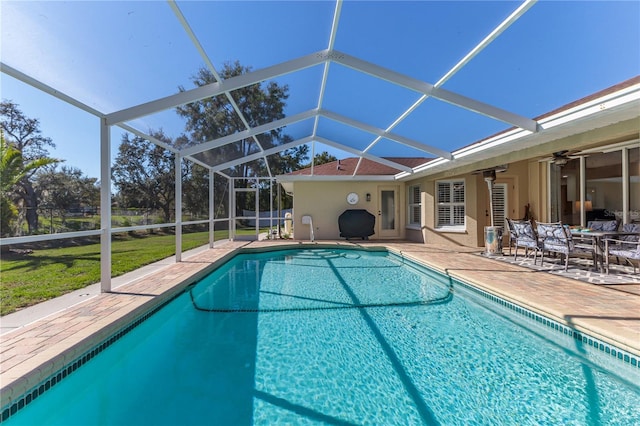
{"x":113,"y":55}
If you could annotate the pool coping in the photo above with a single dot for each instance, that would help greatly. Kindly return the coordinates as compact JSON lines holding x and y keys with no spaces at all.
{"x":37,"y":352}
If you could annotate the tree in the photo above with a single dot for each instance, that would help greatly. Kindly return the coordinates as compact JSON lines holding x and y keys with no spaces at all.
{"x":10,"y":174}
{"x":285,"y":162}
{"x":195,"y":189}
{"x":13,"y":170}
{"x":214,"y":117}
{"x":24,"y":135}
{"x":67,"y":190}
{"x":323,"y":158}
{"x":143,"y":174}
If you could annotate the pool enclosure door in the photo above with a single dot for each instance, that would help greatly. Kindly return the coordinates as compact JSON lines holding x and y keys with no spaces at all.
{"x":246,"y":218}
{"x":388,"y":214}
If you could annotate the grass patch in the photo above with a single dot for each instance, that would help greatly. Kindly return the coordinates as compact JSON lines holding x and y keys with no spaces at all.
{"x":31,"y":278}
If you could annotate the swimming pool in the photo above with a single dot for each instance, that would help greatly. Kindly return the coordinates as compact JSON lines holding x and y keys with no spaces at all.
{"x":342,"y":337}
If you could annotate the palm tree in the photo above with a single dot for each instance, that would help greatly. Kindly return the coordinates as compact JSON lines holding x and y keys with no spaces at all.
{"x":12,"y":170}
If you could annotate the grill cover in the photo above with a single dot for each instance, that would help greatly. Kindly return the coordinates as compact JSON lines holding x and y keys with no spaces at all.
{"x":356,"y":223}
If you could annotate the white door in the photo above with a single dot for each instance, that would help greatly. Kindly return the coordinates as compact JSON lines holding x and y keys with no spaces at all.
{"x":388,"y":212}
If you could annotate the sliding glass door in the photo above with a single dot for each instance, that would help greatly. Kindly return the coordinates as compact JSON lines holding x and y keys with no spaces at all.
{"x":597,"y":185}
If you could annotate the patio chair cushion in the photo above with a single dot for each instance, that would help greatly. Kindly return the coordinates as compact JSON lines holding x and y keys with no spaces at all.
{"x":555,"y":238}
{"x":626,"y":245}
{"x":603,"y":225}
{"x":525,"y":234}
{"x":628,"y":250}
{"x":627,"y":253}
{"x":618,"y":242}
{"x":630,"y":227}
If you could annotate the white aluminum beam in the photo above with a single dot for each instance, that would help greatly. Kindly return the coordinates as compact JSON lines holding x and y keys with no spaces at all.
{"x":224,"y":175}
{"x":305,"y":140}
{"x":398,"y":120}
{"x":212,"y":69}
{"x":162,"y":144}
{"x":430,"y":90}
{"x":325,"y":72}
{"x":465,"y":60}
{"x":259,"y":155}
{"x":215,"y":89}
{"x":238,"y":136}
{"x":150,"y":138}
{"x":178,"y":206}
{"x":384,"y":134}
{"x":18,"y":75}
{"x":198,"y":162}
{"x":105,"y":206}
{"x":212,"y":209}
{"x":485,"y":109}
{"x":521,"y":10}
{"x":355,"y":169}
{"x":192,"y":36}
{"x":47,"y":237}
{"x":363,"y":154}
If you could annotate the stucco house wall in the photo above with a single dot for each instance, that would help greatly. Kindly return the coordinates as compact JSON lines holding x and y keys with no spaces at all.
{"x":324,"y":201}
{"x":516,"y":178}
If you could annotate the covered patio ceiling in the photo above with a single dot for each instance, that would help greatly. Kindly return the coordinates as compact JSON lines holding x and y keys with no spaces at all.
{"x":366,"y":79}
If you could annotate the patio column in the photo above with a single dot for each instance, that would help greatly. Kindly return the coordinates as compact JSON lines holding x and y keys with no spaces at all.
{"x":212,"y":225}
{"x":257,"y":209}
{"x":178,"y":206}
{"x":279,"y":209}
{"x":583,"y":191}
{"x":626,"y":179}
{"x":105,"y":206}
{"x":232,"y":208}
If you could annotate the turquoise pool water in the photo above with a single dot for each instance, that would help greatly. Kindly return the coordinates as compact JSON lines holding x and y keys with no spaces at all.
{"x":340,"y":337}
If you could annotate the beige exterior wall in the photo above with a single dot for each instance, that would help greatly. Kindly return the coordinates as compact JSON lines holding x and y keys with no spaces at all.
{"x":326,"y":201}
{"x":523,"y":186}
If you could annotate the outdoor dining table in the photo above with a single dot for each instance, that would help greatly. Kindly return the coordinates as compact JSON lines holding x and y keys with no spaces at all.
{"x":598,"y":238}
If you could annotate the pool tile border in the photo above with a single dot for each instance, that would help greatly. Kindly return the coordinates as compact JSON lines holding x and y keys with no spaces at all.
{"x":25,"y":399}
{"x":612,"y":351}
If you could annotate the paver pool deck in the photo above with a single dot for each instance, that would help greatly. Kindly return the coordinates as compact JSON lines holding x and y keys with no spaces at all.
{"x":34,"y":351}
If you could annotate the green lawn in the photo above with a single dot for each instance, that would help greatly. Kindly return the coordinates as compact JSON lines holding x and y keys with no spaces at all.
{"x":27,"y":279}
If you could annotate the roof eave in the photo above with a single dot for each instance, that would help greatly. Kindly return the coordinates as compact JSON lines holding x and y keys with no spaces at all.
{"x":334,"y":178}
{"x":608,"y":109}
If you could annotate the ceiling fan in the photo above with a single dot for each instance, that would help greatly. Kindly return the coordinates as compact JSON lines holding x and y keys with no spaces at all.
{"x":561,"y":158}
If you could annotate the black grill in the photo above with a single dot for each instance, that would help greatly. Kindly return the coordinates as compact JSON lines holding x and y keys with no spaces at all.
{"x":356,"y":223}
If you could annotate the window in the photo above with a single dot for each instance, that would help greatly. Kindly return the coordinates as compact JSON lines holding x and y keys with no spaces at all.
{"x":499,"y":203}
{"x":414,"y":208}
{"x":450,"y":204}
